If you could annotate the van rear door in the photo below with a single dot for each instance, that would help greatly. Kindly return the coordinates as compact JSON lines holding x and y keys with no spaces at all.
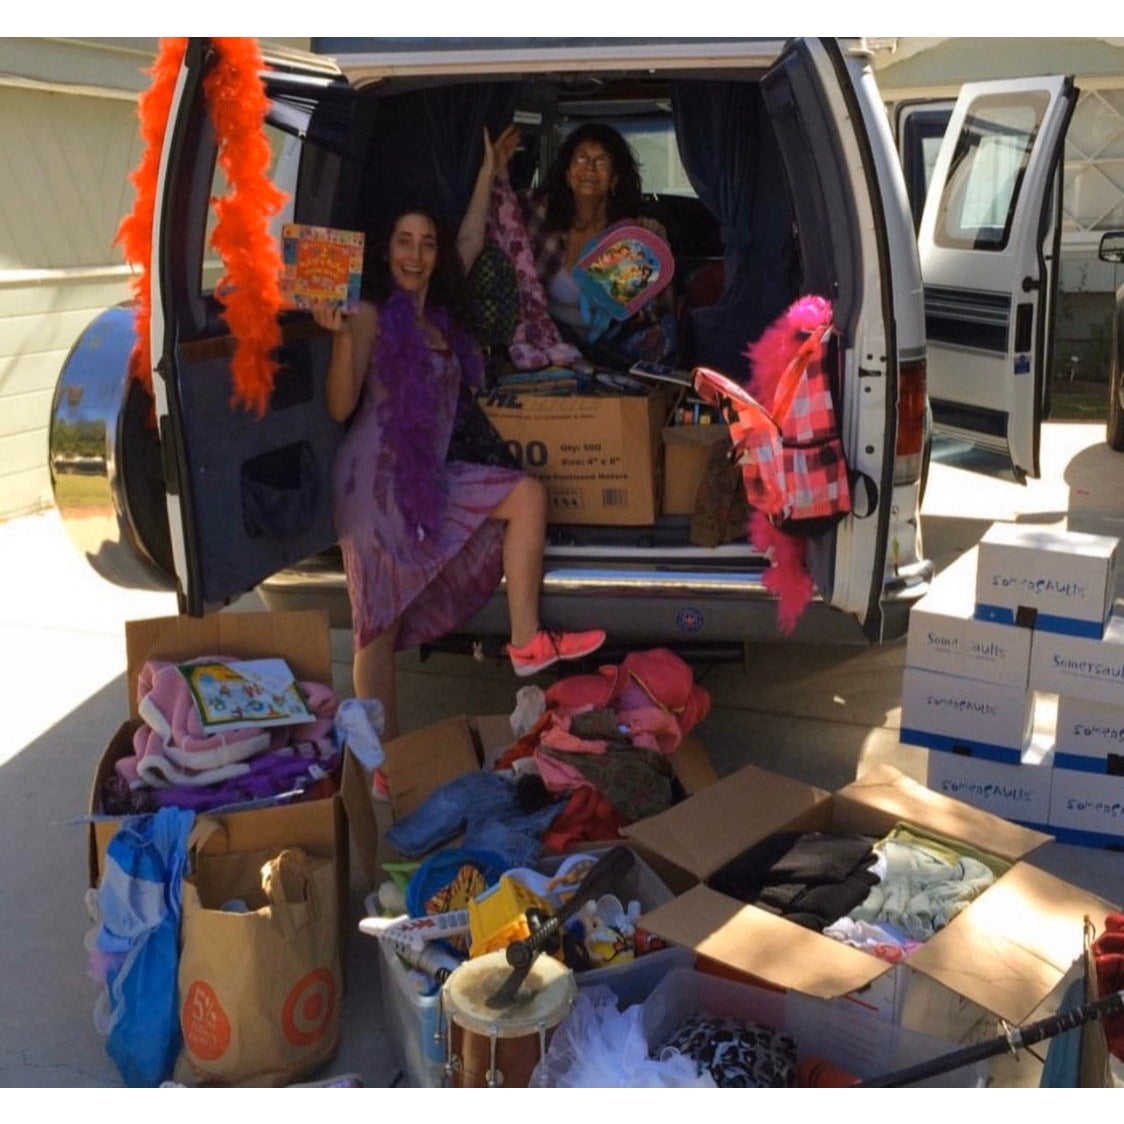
{"x":246,"y":495}
{"x":826,"y":112}
{"x":989,"y":244}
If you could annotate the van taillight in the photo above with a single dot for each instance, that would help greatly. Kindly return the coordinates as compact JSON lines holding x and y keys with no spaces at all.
{"x":911,"y":422}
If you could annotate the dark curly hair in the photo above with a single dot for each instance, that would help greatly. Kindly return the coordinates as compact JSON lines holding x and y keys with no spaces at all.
{"x":624,"y":201}
{"x":447,"y":287}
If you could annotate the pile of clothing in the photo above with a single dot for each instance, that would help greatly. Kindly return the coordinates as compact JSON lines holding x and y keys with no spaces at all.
{"x":177,"y":763}
{"x":596,"y":757}
{"x":884,"y":896}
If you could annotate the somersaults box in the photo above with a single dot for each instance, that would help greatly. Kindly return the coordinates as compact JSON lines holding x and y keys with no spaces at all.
{"x":1046,"y":578}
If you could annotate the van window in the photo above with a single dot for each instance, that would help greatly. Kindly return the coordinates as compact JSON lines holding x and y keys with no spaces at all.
{"x":923,"y":130}
{"x":986,"y":174}
{"x":653,"y":141}
{"x":282,"y":170}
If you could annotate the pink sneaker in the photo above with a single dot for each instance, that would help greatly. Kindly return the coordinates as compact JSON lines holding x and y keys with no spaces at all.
{"x":547,"y":648}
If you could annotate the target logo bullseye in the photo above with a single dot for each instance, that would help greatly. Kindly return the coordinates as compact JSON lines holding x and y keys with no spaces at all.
{"x":309,"y":1008}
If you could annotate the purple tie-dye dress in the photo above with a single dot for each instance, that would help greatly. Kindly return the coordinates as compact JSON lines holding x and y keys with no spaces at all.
{"x":433,"y":583}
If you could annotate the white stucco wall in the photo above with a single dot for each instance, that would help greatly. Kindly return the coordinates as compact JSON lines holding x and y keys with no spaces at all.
{"x":68,"y":140}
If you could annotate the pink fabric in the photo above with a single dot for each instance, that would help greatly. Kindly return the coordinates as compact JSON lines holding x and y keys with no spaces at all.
{"x":153,"y":764}
{"x":164,"y":702}
{"x":170,"y":747}
{"x":536,"y":342}
{"x":558,"y":776}
{"x":655,"y":680}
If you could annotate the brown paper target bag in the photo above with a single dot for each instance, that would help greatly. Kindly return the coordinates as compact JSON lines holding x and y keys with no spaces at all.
{"x":259,"y":989}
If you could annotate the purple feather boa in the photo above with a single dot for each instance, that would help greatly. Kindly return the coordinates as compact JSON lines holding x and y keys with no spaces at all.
{"x":404,"y":363}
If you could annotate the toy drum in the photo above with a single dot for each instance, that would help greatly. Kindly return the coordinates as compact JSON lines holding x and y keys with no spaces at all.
{"x":489,"y":1047}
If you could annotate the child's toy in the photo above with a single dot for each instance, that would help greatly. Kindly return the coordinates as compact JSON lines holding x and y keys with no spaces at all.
{"x":498,"y":917}
{"x":619,"y":272}
{"x":609,"y":930}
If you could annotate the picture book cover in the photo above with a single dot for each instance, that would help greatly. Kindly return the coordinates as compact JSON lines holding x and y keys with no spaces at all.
{"x":240,"y":694}
{"x":619,"y":272}
{"x":320,"y":263}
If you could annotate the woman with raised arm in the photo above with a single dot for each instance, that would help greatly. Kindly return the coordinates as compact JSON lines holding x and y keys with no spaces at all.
{"x":592,"y":183}
{"x":425,"y":540}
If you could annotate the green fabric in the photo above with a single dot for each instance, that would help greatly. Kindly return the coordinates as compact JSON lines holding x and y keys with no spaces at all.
{"x":951,"y":850}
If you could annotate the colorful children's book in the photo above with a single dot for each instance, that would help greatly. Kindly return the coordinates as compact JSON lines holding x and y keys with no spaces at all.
{"x":237,"y":695}
{"x":619,"y":272}
{"x":320,"y":263}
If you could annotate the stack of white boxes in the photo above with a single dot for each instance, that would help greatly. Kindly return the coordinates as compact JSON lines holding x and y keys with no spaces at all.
{"x":1015,"y":679}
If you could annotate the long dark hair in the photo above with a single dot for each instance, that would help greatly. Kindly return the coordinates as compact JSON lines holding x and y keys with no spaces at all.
{"x":625,"y":199}
{"x":447,"y":287}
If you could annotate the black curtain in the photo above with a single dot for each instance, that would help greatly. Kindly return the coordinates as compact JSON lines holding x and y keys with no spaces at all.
{"x":426,"y":146}
{"x":729,"y":151}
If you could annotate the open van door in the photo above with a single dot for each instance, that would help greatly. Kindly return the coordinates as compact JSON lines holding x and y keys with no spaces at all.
{"x":252,"y":495}
{"x":823,"y":105}
{"x":989,"y":243}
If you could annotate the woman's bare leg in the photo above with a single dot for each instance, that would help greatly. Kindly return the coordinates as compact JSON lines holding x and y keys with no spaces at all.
{"x":524,"y":512}
{"x":373,"y":673}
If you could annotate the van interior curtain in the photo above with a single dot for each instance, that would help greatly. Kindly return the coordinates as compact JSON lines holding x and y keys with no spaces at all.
{"x":426,"y":146}
{"x":730,"y":153}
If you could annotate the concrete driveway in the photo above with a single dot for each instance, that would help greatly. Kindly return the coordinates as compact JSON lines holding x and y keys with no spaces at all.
{"x":820,"y":713}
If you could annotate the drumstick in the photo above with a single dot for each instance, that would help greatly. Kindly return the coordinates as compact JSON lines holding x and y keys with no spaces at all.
{"x":601,"y":878}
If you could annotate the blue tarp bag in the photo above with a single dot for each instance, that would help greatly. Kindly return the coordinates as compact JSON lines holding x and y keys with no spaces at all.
{"x":135,"y":944}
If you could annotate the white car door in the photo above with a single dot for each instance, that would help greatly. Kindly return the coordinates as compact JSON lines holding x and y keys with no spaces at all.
{"x":988,"y":246}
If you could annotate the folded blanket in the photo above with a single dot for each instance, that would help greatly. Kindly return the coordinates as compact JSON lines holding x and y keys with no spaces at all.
{"x":173,"y":749}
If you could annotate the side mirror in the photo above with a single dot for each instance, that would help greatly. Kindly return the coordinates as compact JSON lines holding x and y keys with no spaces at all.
{"x":1111,"y":248}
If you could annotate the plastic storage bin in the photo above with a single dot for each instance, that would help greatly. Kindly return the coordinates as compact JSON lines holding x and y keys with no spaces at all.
{"x":413,"y":1020}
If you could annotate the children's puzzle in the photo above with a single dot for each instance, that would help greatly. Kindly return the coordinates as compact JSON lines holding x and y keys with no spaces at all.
{"x":235,"y":695}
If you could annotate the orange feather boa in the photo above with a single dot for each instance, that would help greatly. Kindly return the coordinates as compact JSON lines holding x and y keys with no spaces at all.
{"x":135,"y":232}
{"x":249,"y":289}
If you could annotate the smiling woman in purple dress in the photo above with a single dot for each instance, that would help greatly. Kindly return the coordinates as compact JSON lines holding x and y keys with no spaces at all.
{"x":425,"y":540}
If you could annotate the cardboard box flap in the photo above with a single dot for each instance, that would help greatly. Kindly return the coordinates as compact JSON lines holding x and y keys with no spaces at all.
{"x":691,"y":762}
{"x":495,"y":736}
{"x":419,"y":763}
{"x":1014,"y":944}
{"x":753,"y":941}
{"x":301,"y":638}
{"x":745,"y":806}
{"x":894,"y":796}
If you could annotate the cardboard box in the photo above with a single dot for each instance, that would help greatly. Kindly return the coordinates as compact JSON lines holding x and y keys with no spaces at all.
{"x":686,"y":450}
{"x":419,"y":763}
{"x":1004,"y":954}
{"x":322,"y":826}
{"x":861,"y":1047}
{"x":1080,"y":667}
{"x":954,"y":714}
{"x":1087,"y":804}
{"x":945,"y":635}
{"x":598,"y":455}
{"x":1046,"y":578}
{"x":1088,"y":732}
{"x":1016,"y":792}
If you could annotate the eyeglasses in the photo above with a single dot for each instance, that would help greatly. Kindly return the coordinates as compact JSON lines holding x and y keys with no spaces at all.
{"x":584,"y":161}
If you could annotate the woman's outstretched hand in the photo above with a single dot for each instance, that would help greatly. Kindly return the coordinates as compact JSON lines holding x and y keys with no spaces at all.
{"x":330,"y":317}
{"x":498,"y":153}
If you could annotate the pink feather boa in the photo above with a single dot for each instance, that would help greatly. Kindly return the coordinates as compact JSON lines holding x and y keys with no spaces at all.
{"x":787,"y":577}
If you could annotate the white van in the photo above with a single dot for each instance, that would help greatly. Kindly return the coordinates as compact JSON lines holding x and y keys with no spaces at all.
{"x":774,"y":158}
